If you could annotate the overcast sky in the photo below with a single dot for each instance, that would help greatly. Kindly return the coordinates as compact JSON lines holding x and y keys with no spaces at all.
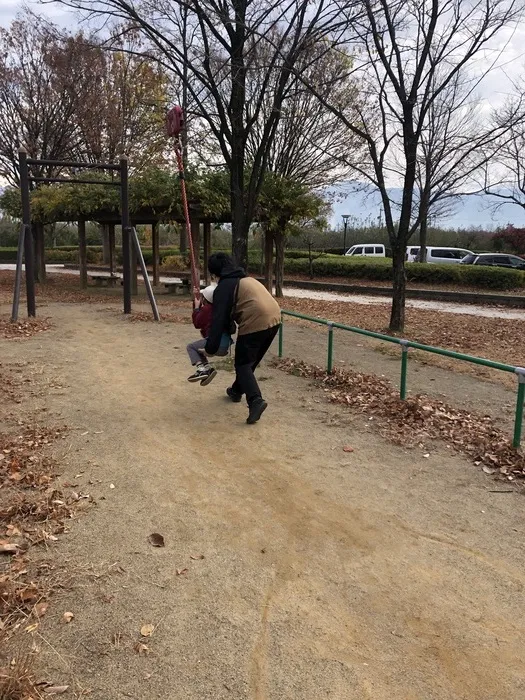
{"x":494,"y":90}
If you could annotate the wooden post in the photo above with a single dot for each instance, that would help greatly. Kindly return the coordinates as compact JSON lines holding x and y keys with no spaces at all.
{"x":155,"y":247}
{"x":196,"y":238}
{"x":134,"y":275}
{"x":111,"y":228}
{"x":207,"y":250}
{"x":106,"y":254}
{"x":82,"y":253}
{"x":40,"y":255}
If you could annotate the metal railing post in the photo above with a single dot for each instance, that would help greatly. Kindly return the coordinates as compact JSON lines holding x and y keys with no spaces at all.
{"x":404,"y":366}
{"x":330,"y":358}
{"x":520,"y":400}
{"x":281,"y":337}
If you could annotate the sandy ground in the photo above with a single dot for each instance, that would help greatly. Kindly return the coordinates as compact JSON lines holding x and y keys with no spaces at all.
{"x":375,"y":574}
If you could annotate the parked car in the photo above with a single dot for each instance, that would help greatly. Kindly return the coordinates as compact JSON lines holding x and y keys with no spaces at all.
{"x":495,"y":260}
{"x":373,"y":250}
{"x":439,"y":255}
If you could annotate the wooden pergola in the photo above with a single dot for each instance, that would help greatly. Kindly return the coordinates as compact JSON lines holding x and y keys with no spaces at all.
{"x":109,"y":219}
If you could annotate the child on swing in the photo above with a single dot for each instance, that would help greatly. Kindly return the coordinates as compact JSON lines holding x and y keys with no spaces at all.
{"x":202,"y":318}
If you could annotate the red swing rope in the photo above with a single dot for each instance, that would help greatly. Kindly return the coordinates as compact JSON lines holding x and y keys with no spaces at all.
{"x":174,"y":125}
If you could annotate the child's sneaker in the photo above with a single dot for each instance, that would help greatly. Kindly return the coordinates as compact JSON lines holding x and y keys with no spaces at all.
{"x":198,"y":376}
{"x":209,"y":375}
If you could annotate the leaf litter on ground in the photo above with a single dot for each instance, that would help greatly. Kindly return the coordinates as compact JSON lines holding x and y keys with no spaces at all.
{"x":417,"y":419}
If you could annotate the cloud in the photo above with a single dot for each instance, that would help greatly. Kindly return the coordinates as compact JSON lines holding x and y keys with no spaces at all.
{"x":54,"y":12}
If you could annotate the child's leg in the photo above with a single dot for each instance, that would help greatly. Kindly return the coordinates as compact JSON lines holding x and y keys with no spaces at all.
{"x":196,"y":352}
{"x":204,"y":373}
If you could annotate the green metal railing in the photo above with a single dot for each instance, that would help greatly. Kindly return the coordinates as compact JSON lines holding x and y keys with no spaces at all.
{"x":405,"y":346}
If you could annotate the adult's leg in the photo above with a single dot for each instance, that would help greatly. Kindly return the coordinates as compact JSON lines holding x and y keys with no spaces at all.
{"x":249,"y":351}
{"x":197,"y":357}
{"x":265,"y":346}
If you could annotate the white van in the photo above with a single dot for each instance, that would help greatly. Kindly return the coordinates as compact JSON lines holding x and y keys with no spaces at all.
{"x":438,"y":256}
{"x":372,"y":250}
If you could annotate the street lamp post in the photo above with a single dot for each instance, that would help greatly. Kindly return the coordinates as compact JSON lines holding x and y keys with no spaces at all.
{"x":345,"y":218}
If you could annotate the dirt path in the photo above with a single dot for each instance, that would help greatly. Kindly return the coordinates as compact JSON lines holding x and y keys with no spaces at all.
{"x":372,"y":575}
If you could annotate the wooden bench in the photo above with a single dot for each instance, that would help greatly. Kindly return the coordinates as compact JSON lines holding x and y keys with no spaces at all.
{"x":178,"y":286}
{"x":108,"y":280}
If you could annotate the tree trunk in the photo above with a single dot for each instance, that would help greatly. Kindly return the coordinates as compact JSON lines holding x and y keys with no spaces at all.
{"x":423,"y":229}
{"x":268,"y":260}
{"x":240,"y":224}
{"x":311,"y":260}
{"x":183,"y":239}
{"x":279,"y":263}
{"x":397,"y":317}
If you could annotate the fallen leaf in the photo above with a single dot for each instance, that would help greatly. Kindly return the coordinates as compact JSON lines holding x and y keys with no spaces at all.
{"x":41,"y":609}
{"x":9,"y":548}
{"x":199,"y":556}
{"x":147,"y":630}
{"x":489,"y":470}
{"x":141,"y":649}
{"x":68,"y":616}
{"x":32,"y":628}
{"x":156,"y":539}
{"x":12,"y":531}
{"x":181,"y":571}
{"x":56,"y":689}
{"x":347,"y":448}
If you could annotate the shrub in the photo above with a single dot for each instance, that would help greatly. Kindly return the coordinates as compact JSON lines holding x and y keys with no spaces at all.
{"x":491,"y":277}
{"x":375,"y":269}
{"x":8,"y":255}
{"x":177,"y":263}
{"x":59,"y":255}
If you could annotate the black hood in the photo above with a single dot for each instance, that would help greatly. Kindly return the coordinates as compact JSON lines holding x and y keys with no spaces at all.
{"x":232,"y":272}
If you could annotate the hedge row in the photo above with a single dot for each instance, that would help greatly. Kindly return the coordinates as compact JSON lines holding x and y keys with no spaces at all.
{"x":381,"y":269}
{"x":62,"y":254}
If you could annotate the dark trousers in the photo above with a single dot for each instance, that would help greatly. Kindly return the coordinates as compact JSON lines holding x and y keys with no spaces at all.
{"x":249,"y":351}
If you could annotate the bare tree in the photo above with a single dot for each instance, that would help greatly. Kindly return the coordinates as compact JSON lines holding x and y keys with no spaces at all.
{"x":38,"y":100}
{"x":121,"y":101}
{"x":229,"y":34}
{"x":311,"y":146}
{"x":504,"y":176}
{"x":456,"y":144}
{"x":410,"y":54}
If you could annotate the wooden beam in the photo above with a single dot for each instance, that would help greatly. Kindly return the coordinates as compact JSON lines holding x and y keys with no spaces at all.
{"x":82,"y":253}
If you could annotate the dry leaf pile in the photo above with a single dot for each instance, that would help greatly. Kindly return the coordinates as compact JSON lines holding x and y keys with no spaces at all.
{"x":25,"y":328}
{"x":32,"y":512}
{"x":498,"y":339}
{"x":418,"y":418}
{"x":142,"y":316}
